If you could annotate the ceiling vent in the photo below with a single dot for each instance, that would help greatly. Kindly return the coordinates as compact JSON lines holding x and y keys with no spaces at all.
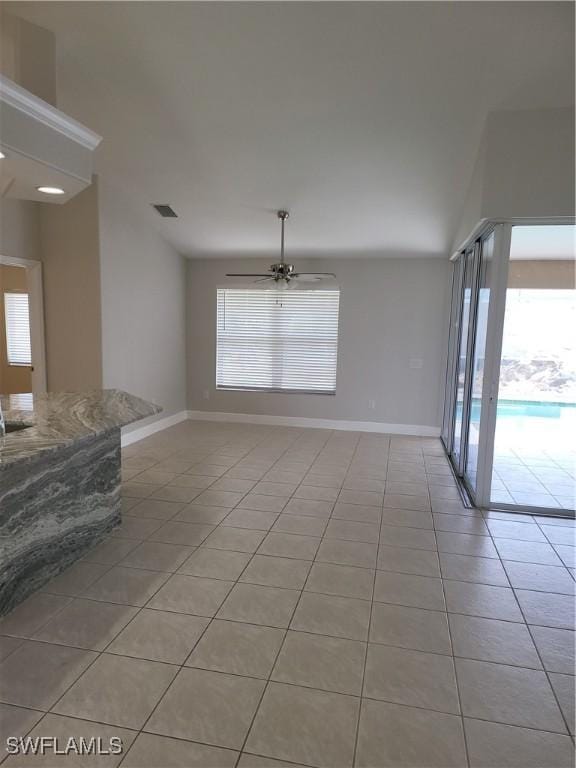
{"x":165,"y":211}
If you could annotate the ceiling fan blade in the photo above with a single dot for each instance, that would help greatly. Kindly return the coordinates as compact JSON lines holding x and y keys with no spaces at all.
{"x":263,"y":279}
{"x":245,"y":274}
{"x":325,"y":278}
{"x":314,"y":274}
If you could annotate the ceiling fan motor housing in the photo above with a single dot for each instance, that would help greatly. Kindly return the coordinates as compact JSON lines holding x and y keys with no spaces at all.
{"x":282,"y":270}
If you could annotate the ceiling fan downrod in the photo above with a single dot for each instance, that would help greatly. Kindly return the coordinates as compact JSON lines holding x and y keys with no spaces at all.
{"x":282,"y":271}
{"x":282,"y":215}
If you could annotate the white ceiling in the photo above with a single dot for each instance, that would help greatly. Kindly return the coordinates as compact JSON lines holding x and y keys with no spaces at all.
{"x":363,"y":119}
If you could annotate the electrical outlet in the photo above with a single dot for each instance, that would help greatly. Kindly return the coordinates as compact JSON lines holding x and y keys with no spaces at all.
{"x":371,"y":404}
{"x":416,"y":362}
{"x":206,"y":394}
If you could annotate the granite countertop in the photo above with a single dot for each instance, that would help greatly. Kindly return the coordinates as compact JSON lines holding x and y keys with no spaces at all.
{"x":56,"y":420}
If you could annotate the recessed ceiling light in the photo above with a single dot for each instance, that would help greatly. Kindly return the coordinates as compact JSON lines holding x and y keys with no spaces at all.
{"x":2,"y":155}
{"x":51,"y":190}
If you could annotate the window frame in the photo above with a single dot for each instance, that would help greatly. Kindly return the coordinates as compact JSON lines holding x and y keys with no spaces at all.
{"x":275,"y":390}
{"x":9,"y":362}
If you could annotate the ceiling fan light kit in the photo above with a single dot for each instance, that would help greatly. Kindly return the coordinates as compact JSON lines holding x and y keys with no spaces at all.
{"x":284,"y":275}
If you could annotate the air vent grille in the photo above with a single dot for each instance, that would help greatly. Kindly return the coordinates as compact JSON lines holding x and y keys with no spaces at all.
{"x":165,"y":210}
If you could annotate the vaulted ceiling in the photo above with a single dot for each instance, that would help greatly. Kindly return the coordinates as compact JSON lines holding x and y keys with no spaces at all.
{"x":363,"y":119}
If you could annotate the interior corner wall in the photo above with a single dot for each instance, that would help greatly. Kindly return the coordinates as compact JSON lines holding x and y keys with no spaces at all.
{"x":392,"y":315}
{"x":143,"y":306}
{"x":524,"y":169}
{"x":28,"y":55}
{"x":529,"y":164}
{"x":19,"y":229}
{"x":70,"y":253}
{"x":471,"y":213}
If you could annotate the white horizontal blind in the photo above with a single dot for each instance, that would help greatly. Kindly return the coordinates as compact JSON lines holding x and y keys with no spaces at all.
{"x":17,"y":317}
{"x":278,"y":340}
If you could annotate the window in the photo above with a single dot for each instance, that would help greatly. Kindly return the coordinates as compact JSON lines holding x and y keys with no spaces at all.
{"x":17,"y":317}
{"x":277,"y":340}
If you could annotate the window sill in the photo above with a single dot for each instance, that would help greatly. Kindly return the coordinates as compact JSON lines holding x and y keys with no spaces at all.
{"x":277,"y":391}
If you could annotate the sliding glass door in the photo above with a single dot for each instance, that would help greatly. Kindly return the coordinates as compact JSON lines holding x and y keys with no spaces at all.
{"x":478,"y":358}
{"x":466,"y":370}
{"x":453,"y":345}
{"x":469,"y":259}
{"x":510,"y":405}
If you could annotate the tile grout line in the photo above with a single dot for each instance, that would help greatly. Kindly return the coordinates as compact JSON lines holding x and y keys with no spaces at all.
{"x":357,"y":733}
{"x":527,"y":625}
{"x":293,"y":685}
{"x":277,"y":656}
{"x":455,"y":671}
{"x":272,"y":667}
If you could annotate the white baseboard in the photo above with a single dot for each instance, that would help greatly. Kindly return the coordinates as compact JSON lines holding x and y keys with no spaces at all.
{"x":415,"y":430}
{"x":134,"y":435}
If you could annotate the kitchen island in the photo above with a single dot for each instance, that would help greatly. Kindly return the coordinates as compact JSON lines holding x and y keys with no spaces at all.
{"x":59,"y":481}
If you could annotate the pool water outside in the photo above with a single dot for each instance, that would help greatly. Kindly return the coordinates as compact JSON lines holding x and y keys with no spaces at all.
{"x":535,"y":427}
{"x":525,"y":409}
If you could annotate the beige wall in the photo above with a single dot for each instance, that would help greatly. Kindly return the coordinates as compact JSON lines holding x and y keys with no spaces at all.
{"x":70,"y":253}
{"x":65,"y":239}
{"x":13,"y":378}
{"x":392,"y":311}
{"x":28,"y":56}
{"x":20,"y":229}
{"x":143,"y":306}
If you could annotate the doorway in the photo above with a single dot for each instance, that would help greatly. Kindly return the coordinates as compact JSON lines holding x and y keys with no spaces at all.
{"x":22,"y":352}
{"x":15,"y":349}
{"x":534,"y":449}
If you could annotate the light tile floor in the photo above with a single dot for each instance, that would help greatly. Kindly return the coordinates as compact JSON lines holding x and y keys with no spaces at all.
{"x":544,"y":477}
{"x":301,"y":597}
{"x":535,"y":457}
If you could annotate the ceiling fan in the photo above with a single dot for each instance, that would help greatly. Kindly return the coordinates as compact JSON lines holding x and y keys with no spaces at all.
{"x":283,"y":274}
